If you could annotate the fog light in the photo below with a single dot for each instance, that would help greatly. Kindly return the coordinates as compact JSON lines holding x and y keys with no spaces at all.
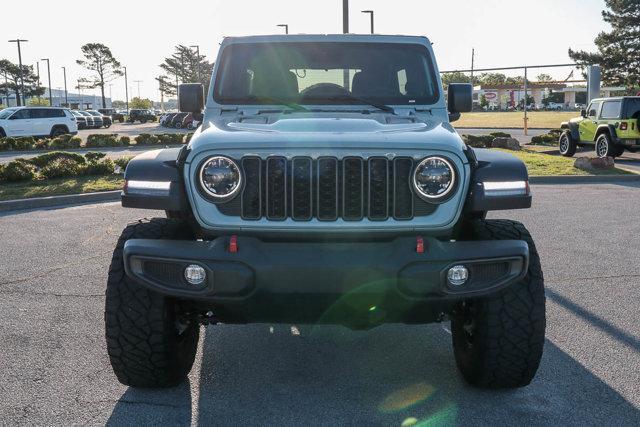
{"x":195,"y":274}
{"x":457,"y":275}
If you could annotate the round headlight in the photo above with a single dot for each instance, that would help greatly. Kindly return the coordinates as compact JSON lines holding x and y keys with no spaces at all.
{"x":434,"y":178}
{"x":220,"y":178}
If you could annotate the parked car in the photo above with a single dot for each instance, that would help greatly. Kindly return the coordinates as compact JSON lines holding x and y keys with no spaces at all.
{"x":37,"y":121}
{"x":116,"y":116}
{"x":190,"y":122}
{"x":142,"y":116}
{"x":80,"y":119}
{"x":167,"y":119}
{"x":176,"y":121}
{"x":91,"y":122}
{"x":97,"y":119}
{"x":557,"y":106}
{"x":326,"y":206}
{"x":106,"y":120}
{"x":611,"y":125}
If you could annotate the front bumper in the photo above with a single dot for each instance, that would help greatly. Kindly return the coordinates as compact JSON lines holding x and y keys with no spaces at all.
{"x":359,"y":284}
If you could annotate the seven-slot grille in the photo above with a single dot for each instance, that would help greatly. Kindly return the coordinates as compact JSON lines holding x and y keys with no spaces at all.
{"x":327,"y":188}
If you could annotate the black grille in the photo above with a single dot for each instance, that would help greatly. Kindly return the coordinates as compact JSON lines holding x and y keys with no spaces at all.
{"x":327,"y":188}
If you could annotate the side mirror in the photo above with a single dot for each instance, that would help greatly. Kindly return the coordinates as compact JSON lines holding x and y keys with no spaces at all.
{"x":460,"y":99}
{"x":191,"y":98}
{"x":583,"y":113}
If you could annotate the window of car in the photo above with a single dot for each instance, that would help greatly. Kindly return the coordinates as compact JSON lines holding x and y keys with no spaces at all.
{"x":7,"y":112}
{"x":46,"y":113}
{"x":25,"y":113}
{"x":611,"y":110}
{"x":592,"y":111}
{"x":632,"y":108}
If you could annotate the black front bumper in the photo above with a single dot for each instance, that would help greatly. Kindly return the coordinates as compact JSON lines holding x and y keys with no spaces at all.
{"x":356,"y":284}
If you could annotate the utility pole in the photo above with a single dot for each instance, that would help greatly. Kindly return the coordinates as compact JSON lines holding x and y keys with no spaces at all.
{"x":49,"y":77}
{"x":66,"y":94}
{"x":81,"y":106}
{"x":473,"y":58}
{"x":526,"y":119}
{"x":18,"y":41}
{"x":285,"y":26}
{"x":111,"y":92}
{"x":38,"y":72}
{"x":370,"y":12}
{"x":138,"y":82}
{"x":126,"y":88}
{"x":197,"y":63}
{"x":345,"y":29}
{"x":6,"y":88}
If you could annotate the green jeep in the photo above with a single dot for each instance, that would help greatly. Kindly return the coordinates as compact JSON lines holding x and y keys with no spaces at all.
{"x":611,"y":124}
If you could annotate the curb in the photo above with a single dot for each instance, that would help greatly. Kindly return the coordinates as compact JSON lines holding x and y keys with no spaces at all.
{"x":52,"y":201}
{"x":583,"y":179}
{"x":495,"y":128}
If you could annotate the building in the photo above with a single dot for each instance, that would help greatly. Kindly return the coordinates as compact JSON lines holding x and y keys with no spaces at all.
{"x":82,"y":101}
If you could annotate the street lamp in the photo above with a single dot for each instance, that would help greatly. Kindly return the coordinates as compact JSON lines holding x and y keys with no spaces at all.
{"x":285,"y":26}
{"x":49,"y":76}
{"x":66,"y":94}
{"x":197,"y":63}
{"x":126,"y":88}
{"x":370,"y":12}
{"x":18,"y":41}
{"x":138,"y":82}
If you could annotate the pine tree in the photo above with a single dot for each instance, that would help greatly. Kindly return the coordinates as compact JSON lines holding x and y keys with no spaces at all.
{"x":185,"y":66}
{"x":13,"y":84}
{"x":100,"y":60}
{"x":618,"y":50}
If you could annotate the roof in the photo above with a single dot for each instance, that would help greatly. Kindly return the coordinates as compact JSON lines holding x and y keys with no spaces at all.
{"x":616,"y":98}
{"x":380,"y":38}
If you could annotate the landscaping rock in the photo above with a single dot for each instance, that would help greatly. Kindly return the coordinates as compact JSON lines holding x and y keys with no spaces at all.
{"x":506,"y":143}
{"x":594,"y":163}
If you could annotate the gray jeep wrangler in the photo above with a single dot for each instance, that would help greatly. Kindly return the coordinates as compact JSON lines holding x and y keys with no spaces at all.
{"x":326,"y":185}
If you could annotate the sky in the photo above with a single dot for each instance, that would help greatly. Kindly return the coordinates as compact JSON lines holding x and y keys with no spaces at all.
{"x":141,"y":33}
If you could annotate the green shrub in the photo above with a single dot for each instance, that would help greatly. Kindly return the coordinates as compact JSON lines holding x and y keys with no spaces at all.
{"x":41,"y":144}
{"x":500,"y":135}
{"x":187,"y":138}
{"x":17,"y":143}
{"x":44,"y":159}
{"x":478,"y":141}
{"x":18,"y":170}
{"x":125,"y":140}
{"x":61,"y":168}
{"x":94,"y":157}
{"x":104,"y":167}
{"x":122,"y":163}
{"x":103,"y":140}
{"x":171,"y":138}
{"x":65,"y":141}
{"x":146,"y":139}
{"x":549,"y":139}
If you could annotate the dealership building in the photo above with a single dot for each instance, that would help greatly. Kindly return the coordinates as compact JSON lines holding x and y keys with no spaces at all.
{"x":77,"y":101}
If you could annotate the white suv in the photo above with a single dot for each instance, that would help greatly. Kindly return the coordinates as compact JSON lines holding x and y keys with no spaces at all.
{"x":37,"y":121}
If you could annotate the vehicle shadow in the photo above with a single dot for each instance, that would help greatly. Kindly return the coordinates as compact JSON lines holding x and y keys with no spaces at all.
{"x":387,"y":376}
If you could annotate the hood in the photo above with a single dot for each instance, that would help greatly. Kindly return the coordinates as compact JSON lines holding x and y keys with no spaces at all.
{"x":302,"y":130}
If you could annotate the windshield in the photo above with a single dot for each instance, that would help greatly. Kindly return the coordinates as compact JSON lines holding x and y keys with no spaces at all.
{"x":94,"y":113}
{"x":326,"y":73}
{"x":7,"y":112}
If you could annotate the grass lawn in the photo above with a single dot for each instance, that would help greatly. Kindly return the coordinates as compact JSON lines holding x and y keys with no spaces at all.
{"x":58,"y":187}
{"x":514,"y":119}
{"x":544,"y":165}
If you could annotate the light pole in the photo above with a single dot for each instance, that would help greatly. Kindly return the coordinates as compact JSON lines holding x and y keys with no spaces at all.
{"x":138,"y":82}
{"x":18,"y":41}
{"x":285,"y":26}
{"x":111,"y":92}
{"x":80,"y":106}
{"x":49,"y":77}
{"x":66,"y":94}
{"x":198,"y":62}
{"x":345,"y":30}
{"x":370,"y":12}
{"x":6,"y":88}
{"x":126,"y":88}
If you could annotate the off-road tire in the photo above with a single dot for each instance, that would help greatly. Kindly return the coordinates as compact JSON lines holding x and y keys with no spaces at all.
{"x":58,"y":131}
{"x":566,"y":144}
{"x":143,"y":343}
{"x":121,"y":120}
{"x":498,"y":340}
{"x":2,"y":133}
{"x":605,"y":147}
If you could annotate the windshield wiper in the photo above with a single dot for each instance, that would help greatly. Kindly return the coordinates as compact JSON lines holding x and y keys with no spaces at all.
{"x":278,"y":101}
{"x":381,"y":107}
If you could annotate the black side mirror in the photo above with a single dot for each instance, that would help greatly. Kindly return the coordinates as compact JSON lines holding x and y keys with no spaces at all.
{"x":460,"y":99}
{"x":191,"y":98}
{"x":583,"y":113}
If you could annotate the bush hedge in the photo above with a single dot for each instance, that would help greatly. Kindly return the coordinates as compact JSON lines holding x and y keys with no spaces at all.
{"x":44,"y":159}
{"x":549,"y":139}
{"x":65,"y":141}
{"x":61,"y":168}
{"x":103,"y":140}
{"x":18,"y":170}
{"x":93,"y":141}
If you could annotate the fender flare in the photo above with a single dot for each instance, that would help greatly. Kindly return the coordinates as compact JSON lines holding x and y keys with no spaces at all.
{"x":573,"y":128}
{"x":611,"y":129}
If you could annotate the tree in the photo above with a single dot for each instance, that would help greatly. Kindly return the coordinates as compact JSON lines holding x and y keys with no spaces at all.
{"x":100,"y":60}
{"x":141,"y":103}
{"x":484,"y":103}
{"x":12,"y":73}
{"x":118,"y":105}
{"x":186,"y":66}
{"x":544,"y":78}
{"x":455,"y":77}
{"x":618,"y":50}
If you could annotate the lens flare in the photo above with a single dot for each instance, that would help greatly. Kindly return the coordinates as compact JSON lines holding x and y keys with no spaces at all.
{"x":406,"y":397}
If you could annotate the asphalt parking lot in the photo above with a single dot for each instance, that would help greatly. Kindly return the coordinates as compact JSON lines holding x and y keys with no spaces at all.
{"x":54,"y":368}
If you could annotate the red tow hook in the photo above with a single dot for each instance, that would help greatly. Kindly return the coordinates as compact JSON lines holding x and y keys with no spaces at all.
{"x":233,"y":244}
{"x":419,"y":245}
